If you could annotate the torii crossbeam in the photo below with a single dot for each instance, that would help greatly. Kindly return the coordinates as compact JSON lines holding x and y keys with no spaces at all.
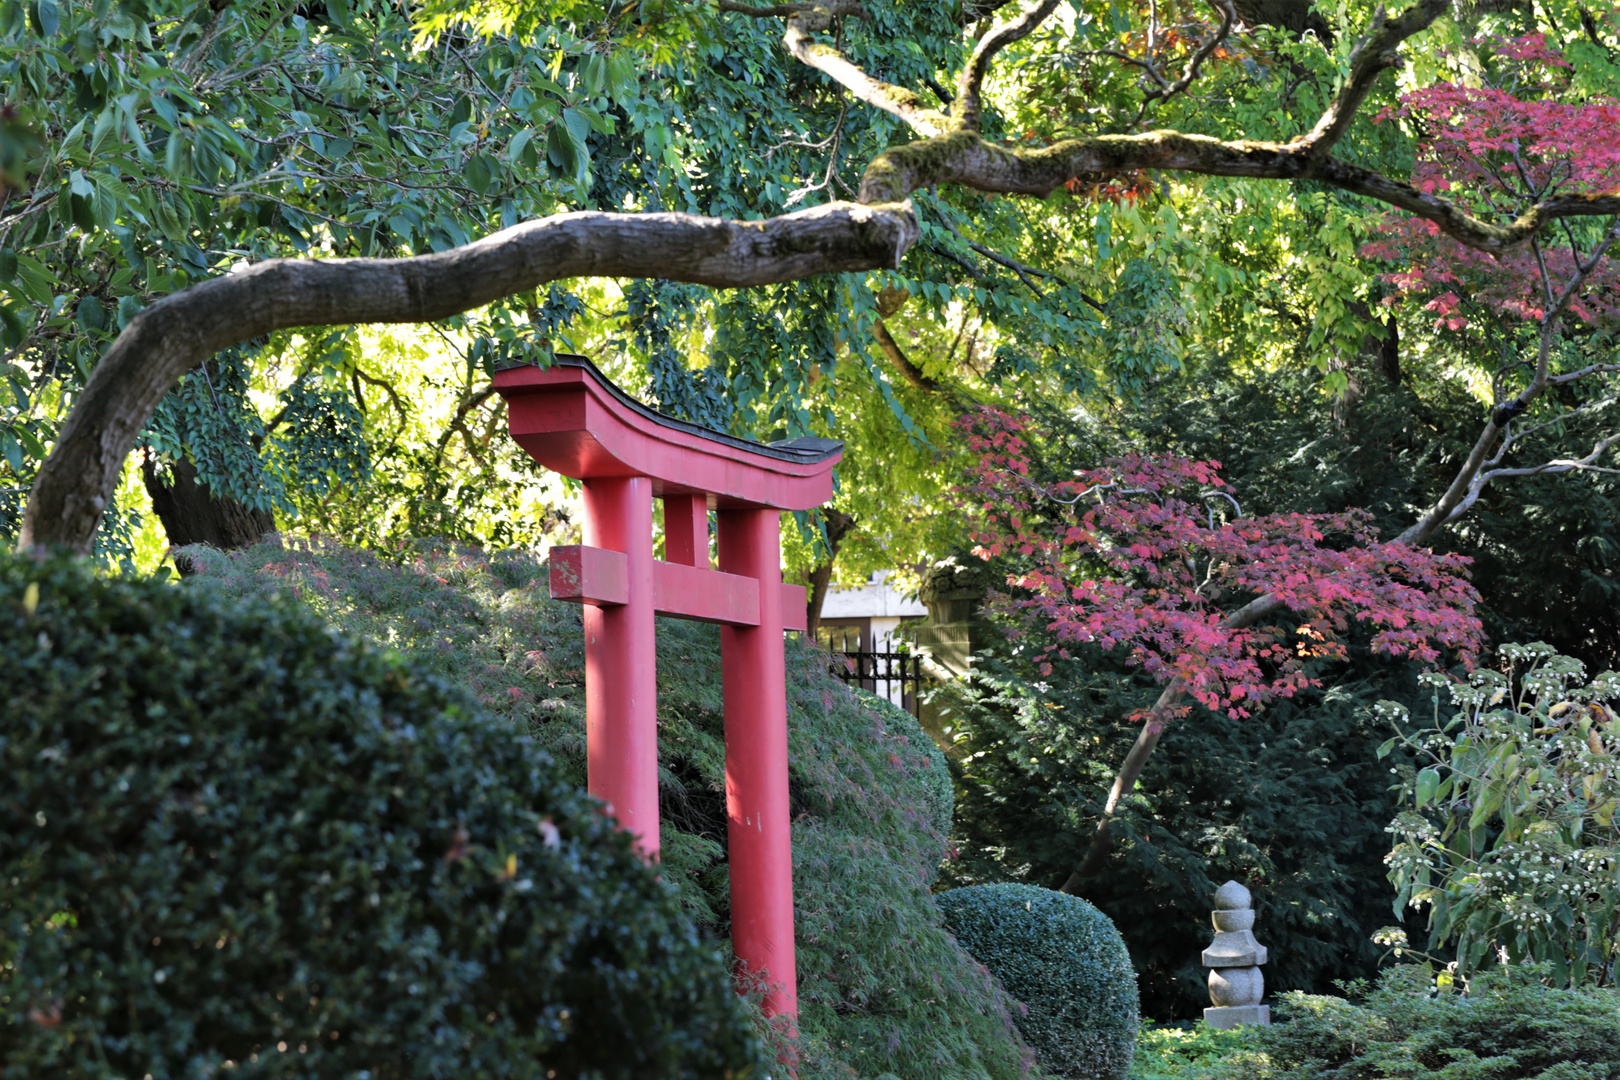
{"x":572,"y":420}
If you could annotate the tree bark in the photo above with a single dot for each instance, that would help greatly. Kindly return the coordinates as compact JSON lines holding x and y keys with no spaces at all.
{"x":192,"y":514}
{"x":182,"y":330}
{"x":839,"y":525}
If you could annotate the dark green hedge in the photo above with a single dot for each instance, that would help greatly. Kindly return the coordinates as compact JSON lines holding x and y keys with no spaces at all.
{"x":883,"y":989}
{"x":1065,"y":961}
{"x":228,"y":834}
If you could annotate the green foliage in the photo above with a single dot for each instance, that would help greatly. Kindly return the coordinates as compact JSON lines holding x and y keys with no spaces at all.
{"x":882,"y":986}
{"x":1065,"y":961}
{"x":1510,"y":835}
{"x":1292,"y":801}
{"x":1510,"y":1026}
{"x":1173,"y":1053}
{"x":237,"y":839}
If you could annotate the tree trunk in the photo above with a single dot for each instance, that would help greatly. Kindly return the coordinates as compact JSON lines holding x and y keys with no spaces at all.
{"x":191,"y":514}
{"x":838,"y":526}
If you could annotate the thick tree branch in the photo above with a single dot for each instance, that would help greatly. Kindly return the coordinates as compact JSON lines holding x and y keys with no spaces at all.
{"x":180,"y":331}
{"x":963,"y":157}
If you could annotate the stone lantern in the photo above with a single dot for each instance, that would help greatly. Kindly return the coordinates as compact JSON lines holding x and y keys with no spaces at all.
{"x":1234,"y":958}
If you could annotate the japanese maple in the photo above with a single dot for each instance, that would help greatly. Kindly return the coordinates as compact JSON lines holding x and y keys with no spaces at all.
{"x":1146,"y":555}
{"x":1523,"y":134}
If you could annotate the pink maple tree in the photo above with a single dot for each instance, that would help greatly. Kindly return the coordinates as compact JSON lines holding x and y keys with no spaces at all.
{"x":1524,"y":134}
{"x":1147,"y":555}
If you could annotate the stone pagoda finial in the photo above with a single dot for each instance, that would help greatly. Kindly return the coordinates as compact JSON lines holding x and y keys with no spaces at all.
{"x":1234,"y":958}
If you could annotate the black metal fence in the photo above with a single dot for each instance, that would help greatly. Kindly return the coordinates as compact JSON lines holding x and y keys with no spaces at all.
{"x":887,"y":674}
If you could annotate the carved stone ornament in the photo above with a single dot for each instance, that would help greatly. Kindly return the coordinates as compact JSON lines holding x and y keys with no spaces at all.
{"x":1234,"y":958}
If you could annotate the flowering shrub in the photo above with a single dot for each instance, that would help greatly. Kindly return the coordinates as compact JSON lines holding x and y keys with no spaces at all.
{"x":1145,"y":555}
{"x":1511,"y":837}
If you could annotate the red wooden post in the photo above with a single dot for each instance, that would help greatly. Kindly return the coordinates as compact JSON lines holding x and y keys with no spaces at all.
{"x":686,"y":529}
{"x":758,"y":829}
{"x":571,"y":419}
{"x":621,"y":676}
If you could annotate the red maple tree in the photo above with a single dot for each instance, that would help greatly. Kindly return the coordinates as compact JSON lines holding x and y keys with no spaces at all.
{"x":1525,"y":133}
{"x":1145,"y":555}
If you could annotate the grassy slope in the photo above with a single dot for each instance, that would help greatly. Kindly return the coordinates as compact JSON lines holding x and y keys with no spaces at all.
{"x":883,"y":989}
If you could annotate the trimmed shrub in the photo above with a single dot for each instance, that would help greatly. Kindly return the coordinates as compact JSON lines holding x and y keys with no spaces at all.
{"x":1065,"y":961}
{"x":233,"y":837}
{"x":883,"y":988}
{"x":1509,"y":1026}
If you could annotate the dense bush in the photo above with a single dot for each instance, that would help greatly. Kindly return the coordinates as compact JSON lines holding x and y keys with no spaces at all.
{"x":232,"y":837}
{"x":1510,"y":1026}
{"x":1293,"y":801}
{"x":882,"y":986}
{"x":1065,"y":961}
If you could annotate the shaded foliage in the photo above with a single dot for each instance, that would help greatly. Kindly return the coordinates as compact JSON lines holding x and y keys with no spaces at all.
{"x":1291,"y":801}
{"x":882,"y":987}
{"x":235,"y":838}
{"x":1065,"y":962}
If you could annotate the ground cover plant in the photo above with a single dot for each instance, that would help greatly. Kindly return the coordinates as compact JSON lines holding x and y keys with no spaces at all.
{"x":1173,"y":1052}
{"x":883,"y":988}
{"x":236,"y":841}
{"x":1510,"y":1025}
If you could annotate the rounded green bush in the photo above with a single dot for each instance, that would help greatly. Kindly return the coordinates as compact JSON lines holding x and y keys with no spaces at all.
{"x":233,"y":840}
{"x":1066,"y":962}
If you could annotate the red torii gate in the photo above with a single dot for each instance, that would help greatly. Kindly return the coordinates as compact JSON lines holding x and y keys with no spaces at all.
{"x":572,"y":420}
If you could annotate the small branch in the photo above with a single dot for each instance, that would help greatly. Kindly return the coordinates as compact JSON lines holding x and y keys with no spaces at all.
{"x":803,"y":20}
{"x":968,"y":109}
{"x":1373,"y":55}
{"x":1557,"y":465}
{"x":1205,"y":50}
{"x":902,"y":363}
{"x":1462,"y":485}
{"x":1572,"y":376}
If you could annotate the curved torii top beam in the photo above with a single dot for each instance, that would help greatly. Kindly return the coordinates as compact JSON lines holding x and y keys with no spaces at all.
{"x":572,"y":420}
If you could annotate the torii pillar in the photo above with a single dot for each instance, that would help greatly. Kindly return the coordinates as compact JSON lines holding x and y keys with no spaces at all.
{"x":572,"y":420}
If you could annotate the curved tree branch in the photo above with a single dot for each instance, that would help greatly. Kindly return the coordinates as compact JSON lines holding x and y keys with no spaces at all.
{"x":1373,"y":55}
{"x":1195,"y":63}
{"x":180,"y":331}
{"x":896,"y":100}
{"x":967,"y":109}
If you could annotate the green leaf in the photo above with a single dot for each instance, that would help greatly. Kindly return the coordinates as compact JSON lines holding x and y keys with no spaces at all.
{"x":8,"y":265}
{"x":1428,"y":781}
{"x":479,"y":173}
{"x":46,"y":19}
{"x":515,"y":148}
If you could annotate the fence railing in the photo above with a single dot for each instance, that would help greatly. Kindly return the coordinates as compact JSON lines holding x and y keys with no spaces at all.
{"x":896,"y":676}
